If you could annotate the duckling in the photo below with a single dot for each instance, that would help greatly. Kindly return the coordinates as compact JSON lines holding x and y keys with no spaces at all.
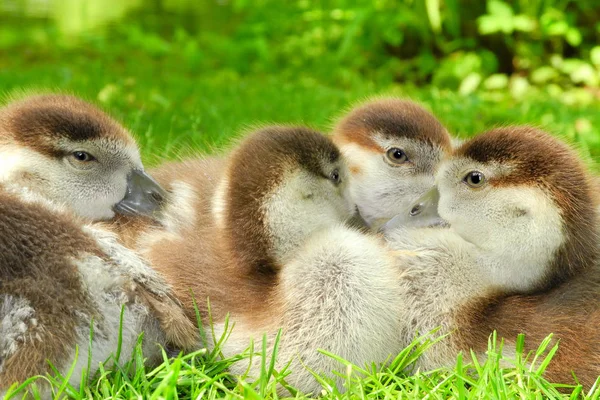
{"x":351,"y":294}
{"x":522,"y":226}
{"x":70,"y":152}
{"x":271,"y":249}
{"x":62,"y":290}
{"x":569,"y":305}
{"x":122,"y":277}
{"x":393,"y":147}
{"x":65,"y":151}
{"x":246,"y":219}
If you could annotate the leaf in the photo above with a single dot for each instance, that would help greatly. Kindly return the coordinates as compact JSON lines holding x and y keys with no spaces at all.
{"x":585,"y":73}
{"x":595,"y":55}
{"x":573,"y":37}
{"x":544,"y":74}
{"x":487,"y":25}
{"x":469,"y":84}
{"x":500,"y":9}
{"x":571,"y":65}
{"x":558,"y":28}
{"x":554,"y":90}
{"x":433,"y":13}
{"x":108,"y":92}
{"x":524,"y":23}
{"x":496,"y":81}
{"x":519,"y":86}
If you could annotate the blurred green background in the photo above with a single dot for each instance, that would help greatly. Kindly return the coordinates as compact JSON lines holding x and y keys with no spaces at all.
{"x":190,"y":74}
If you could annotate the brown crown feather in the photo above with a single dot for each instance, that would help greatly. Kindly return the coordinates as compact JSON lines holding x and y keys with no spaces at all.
{"x":392,"y":117}
{"x":38,"y":121}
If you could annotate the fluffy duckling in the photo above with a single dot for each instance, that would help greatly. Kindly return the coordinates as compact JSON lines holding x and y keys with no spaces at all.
{"x":46,"y":249}
{"x":248,"y":214}
{"x":70,"y":152}
{"x":270,"y":248}
{"x":522,"y":218}
{"x":393,"y":147}
{"x":569,"y":307}
{"x":63,"y":150}
{"x":62,"y":281}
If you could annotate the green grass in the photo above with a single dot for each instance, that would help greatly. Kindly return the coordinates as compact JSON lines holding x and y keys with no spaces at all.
{"x":203,"y":374}
{"x":173,"y":108}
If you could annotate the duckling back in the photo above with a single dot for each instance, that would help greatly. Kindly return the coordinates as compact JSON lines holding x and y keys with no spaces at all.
{"x":62,"y":286}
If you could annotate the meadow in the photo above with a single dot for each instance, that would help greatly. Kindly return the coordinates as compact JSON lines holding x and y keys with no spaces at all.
{"x":180,"y":99}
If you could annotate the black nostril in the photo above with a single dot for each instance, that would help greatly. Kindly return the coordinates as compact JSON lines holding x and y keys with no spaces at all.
{"x":416,"y":210}
{"x":156,"y":196}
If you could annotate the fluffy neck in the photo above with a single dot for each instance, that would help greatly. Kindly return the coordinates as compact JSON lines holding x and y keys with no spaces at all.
{"x":442,"y":271}
{"x":238,"y":207}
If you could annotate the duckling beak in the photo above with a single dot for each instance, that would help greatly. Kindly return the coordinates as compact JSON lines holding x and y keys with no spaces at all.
{"x":422,"y":213}
{"x":144,"y":196}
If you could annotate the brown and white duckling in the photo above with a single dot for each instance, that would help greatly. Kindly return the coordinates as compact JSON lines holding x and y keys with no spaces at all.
{"x":570,"y":307}
{"x":62,"y":281}
{"x":393,"y":147}
{"x":245,"y":219}
{"x":52,"y":260}
{"x":271,"y":249}
{"x":522,"y":218}
{"x":70,"y":152}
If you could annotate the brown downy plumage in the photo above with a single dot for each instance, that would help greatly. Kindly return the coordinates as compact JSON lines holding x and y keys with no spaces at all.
{"x":60,"y":277}
{"x":226,"y":233}
{"x":567,"y":303}
{"x":269,"y":247}
{"x":393,"y":147}
{"x":40,"y":288}
{"x":521,"y":254}
{"x":61,"y":155}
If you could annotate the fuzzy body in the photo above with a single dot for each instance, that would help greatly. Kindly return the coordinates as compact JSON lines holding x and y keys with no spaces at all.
{"x":520,"y":256}
{"x":57,"y":274}
{"x":58,"y":280}
{"x":339,"y":294}
{"x":254,"y":214}
{"x":246,"y":217}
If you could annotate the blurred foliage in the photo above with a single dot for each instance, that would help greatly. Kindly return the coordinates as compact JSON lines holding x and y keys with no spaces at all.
{"x":463,"y":45}
{"x":190,"y":73}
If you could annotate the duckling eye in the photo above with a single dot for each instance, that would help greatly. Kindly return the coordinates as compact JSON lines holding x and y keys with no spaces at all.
{"x":396,"y":156}
{"x":335,"y":176}
{"x":83,"y":156}
{"x":474,"y":179}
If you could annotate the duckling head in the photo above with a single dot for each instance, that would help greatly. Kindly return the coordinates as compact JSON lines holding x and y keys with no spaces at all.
{"x":393,"y":148}
{"x":282,"y":185}
{"x":525,"y":200}
{"x":73,"y":154}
